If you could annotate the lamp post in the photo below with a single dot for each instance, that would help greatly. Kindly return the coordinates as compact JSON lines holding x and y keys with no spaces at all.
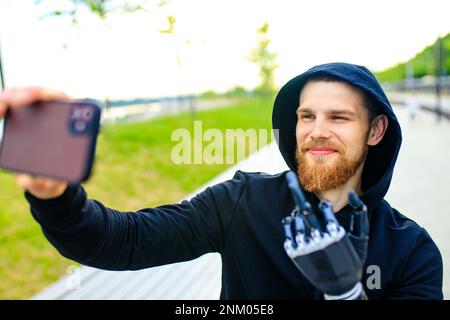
{"x":2,"y":86}
{"x":438,"y":64}
{"x":2,"y":79}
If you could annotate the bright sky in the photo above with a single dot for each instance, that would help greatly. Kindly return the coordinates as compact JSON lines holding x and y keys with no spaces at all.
{"x":128,"y":57}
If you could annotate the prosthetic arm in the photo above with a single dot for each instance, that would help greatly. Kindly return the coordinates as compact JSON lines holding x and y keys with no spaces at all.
{"x":328,"y":256}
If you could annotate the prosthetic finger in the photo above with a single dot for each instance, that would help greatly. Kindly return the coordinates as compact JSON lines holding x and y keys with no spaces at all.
{"x":294,"y":240}
{"x":359,"y":226}
{"x":303,"y":206}
{"x":331,"y":224}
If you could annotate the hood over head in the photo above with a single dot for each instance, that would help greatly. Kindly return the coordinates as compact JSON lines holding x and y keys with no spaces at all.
{"x":380,"y":161}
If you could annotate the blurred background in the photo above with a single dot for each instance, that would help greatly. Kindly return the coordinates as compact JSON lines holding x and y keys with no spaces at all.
{"x":155,"y":66}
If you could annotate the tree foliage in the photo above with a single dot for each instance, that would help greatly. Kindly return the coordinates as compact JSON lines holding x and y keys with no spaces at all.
{"x":424,"y":63}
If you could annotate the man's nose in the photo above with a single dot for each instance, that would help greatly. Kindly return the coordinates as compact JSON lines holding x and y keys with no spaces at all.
{"x":320,"y":130}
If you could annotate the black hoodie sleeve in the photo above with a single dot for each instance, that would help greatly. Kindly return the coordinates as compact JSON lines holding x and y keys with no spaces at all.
{"x":92,"y":234}
{"x":422,"y":274}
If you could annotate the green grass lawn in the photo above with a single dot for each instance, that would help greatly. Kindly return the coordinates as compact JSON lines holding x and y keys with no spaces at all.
{"x":132,"y":170}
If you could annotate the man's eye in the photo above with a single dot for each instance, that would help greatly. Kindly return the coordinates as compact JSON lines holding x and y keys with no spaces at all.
{"x":306,"y":116}
{"x":339,"y":118}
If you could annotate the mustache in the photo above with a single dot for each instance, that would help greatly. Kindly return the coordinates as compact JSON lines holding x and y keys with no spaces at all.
{"x":321,"y":143}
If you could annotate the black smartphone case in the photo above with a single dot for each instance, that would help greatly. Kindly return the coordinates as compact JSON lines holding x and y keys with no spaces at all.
{"x":55,"y":139}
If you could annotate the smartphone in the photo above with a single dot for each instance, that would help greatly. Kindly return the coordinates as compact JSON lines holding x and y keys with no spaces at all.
{"x":54,"y":139}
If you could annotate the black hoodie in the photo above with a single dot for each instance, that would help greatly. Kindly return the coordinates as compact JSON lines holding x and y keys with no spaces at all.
{"x":241,"y":220}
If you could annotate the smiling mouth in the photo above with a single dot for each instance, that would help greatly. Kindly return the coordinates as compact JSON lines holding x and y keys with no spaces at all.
{"x":321,"y":151}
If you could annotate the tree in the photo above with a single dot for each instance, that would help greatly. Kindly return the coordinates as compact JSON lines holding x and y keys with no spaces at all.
{"x":265,"y":59}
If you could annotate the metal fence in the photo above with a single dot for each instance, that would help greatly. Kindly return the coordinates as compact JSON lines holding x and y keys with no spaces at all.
{"x":427,"y":84}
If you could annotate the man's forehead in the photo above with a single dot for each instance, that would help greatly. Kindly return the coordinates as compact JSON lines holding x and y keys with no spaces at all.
{"x":330,"y":96}
{"x":343,"y":84}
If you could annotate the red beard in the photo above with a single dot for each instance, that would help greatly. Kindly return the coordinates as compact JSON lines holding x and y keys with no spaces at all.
{"x":318,"y":174}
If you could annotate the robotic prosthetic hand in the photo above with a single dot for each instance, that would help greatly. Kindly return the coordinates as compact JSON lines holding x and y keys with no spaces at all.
{"x":329,"y":257}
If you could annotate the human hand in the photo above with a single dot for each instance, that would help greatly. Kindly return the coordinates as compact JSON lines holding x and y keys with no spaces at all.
{"x":40,"y":187}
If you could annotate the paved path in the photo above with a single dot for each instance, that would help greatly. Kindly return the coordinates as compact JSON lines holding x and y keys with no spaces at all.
{"x":419,"y":190}
{"x":421,"y":183}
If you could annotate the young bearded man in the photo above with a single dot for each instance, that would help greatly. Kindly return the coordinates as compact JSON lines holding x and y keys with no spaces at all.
{"x":335,"y":128}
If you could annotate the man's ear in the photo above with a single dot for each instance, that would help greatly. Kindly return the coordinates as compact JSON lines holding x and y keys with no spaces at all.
{"x":377,"y":129}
